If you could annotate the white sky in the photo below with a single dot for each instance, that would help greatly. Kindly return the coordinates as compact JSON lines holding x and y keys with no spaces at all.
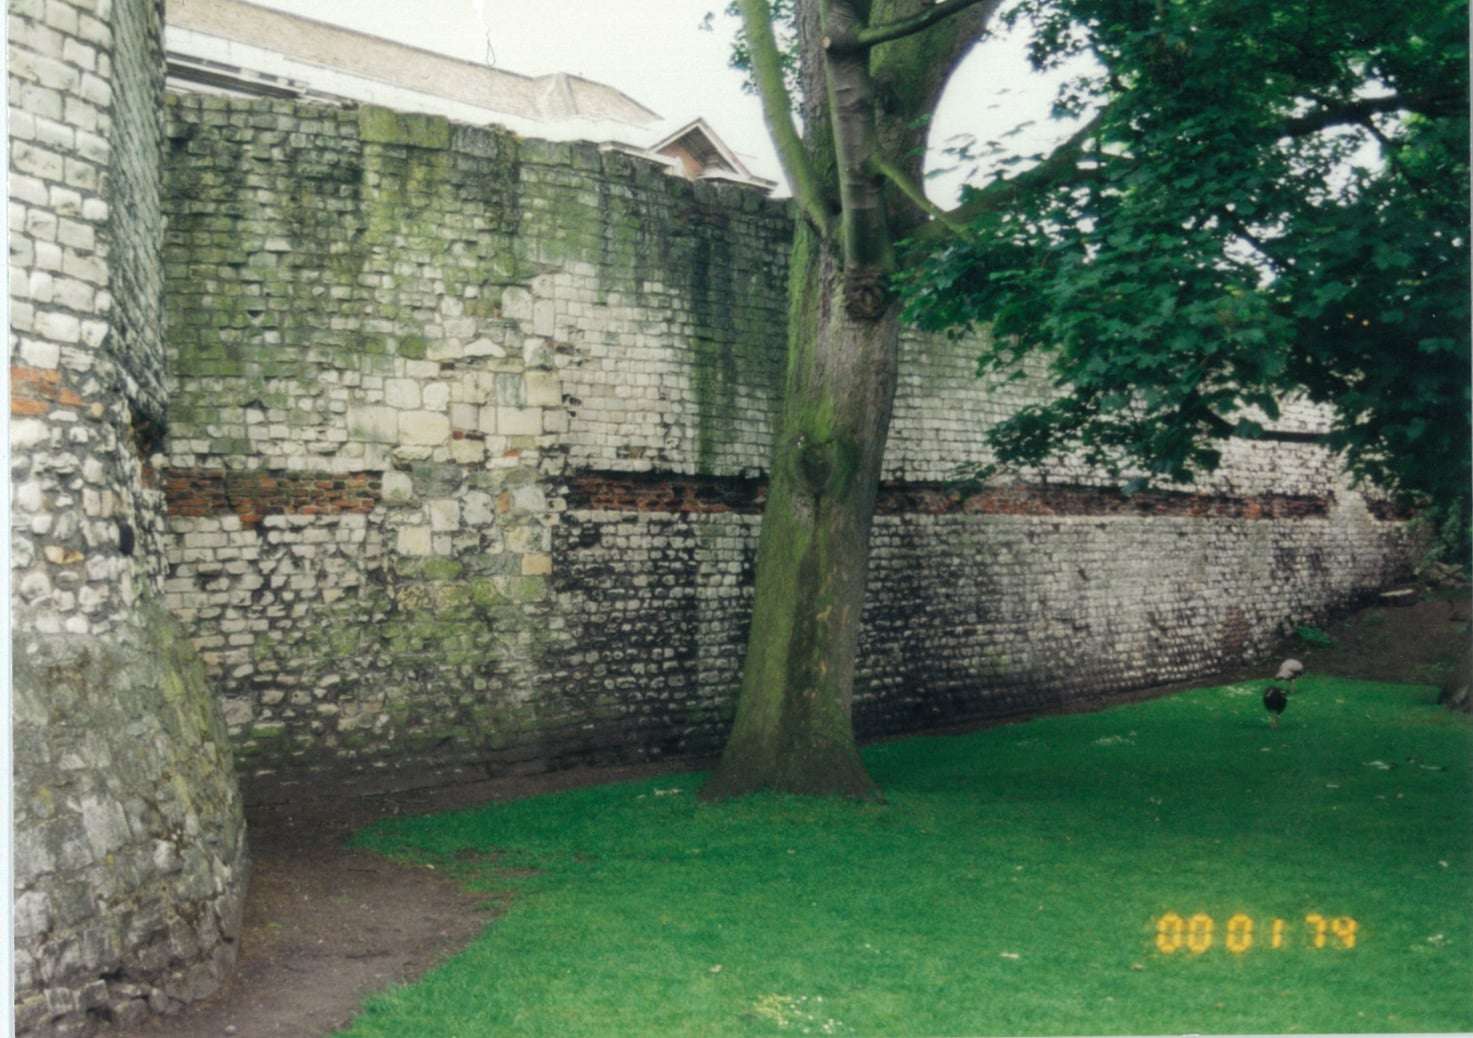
{"x":654,"y":51}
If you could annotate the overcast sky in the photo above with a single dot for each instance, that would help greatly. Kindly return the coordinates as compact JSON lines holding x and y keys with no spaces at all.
{"x":655,"y":52}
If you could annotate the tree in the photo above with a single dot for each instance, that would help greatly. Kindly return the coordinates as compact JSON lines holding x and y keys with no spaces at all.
{"x":1192,"y":253}
{"x":868,"y":73}
{"x":1270,"y":200}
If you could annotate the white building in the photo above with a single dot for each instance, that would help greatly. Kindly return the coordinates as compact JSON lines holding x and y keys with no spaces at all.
{"x":238,"y":49}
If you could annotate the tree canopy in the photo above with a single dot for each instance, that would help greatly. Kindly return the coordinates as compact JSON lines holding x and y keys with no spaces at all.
{"x":1267,"y":200}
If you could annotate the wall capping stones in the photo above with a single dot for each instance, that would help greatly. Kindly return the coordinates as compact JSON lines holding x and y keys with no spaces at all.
{"x":378,"y":125}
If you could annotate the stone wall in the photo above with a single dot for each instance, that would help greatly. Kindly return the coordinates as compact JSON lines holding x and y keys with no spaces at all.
{"x":129,"y":857}
{"x":391,"y":340}
{"x":466,"y":464}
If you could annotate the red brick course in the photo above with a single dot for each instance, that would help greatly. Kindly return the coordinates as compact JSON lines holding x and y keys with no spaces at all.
{"x":1389,"y":511}
{"x":631,"y":492}
{"x":35,"y":391}
{"x":624,"y":492}
{"x":252,"y":495}
{"x":1045,"y":500}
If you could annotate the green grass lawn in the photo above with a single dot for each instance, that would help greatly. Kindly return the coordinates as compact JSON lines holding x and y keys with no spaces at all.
{"x":1015,"y":882}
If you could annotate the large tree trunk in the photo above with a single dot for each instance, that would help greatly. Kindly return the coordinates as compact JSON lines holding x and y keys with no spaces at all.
{"x":793,"y":730}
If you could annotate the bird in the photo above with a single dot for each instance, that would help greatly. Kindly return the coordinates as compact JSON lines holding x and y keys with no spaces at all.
{"x":1275,"y":698}
{"x":1274,"y":701}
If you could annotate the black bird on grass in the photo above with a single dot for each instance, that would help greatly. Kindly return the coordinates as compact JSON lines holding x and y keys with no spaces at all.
{"x":1275,"y":698}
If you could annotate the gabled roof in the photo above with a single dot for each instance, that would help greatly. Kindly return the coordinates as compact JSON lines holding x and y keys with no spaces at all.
{"x":716,"y":161}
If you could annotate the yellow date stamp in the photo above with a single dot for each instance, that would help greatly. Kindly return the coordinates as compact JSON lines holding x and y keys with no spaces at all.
{"x":1199,"y":933}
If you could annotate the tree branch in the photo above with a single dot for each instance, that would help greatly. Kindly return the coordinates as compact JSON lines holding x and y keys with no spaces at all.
{"x":1060,"y":165}
{"x":874,"y":35}
{"x":916,"y":194}
{"x":1224,"y":429}
{"x":850,"y":92}
{"x":1358,"y":111}
{"x":767,"y":73}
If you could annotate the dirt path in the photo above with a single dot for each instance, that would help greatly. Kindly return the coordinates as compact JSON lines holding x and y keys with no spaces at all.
{"x":326,"y":927}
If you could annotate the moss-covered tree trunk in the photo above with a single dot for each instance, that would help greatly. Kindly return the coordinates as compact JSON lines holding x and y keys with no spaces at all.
{"x":871,"y":72}
{"x":793,"y":727}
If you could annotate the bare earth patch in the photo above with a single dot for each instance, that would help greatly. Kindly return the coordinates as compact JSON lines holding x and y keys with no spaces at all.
{"x":326,"y":927}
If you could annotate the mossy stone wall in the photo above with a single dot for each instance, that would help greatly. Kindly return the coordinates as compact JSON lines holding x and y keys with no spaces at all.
{"x":130,"y":861}
{"x":449,"y":320}
{"x":468,"y":452}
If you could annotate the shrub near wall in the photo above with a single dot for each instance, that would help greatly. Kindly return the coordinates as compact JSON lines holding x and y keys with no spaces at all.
{"x":466,"y":459}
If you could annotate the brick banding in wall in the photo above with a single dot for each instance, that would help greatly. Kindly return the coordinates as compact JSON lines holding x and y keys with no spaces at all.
{"x":35,"y":391}
{"x":251,"y":495}
{"x":1389,"y":511}
{"x":1024,"y":499}
{"x":663,"y":493}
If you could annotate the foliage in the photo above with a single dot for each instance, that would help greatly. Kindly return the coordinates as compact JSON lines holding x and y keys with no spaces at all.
{"x":1220,"y":238}
{"x":784,"y":15}
{"x":1010,"y":885}
{"x":1448,"y":540}
{"x":1313,"y":636}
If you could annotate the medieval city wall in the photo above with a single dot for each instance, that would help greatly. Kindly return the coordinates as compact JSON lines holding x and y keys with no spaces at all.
{"x":466,"y":454}
{"x":357,"y":450}
{"x":128,"y":825}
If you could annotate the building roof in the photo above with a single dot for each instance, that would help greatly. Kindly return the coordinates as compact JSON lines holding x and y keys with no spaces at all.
{"x":237,"y":48}
{"x":705,"y":156}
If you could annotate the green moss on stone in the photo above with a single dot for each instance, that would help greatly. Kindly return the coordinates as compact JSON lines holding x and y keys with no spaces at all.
{"x":526,"y":589}
{"x":440,"y":568}
{"x":383,"y":126}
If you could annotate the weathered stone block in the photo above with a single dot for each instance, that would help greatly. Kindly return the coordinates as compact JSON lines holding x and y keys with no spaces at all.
{"x":436,"y":396}
{"x":383,"y":126}
{"x":398,"y":488}
{"x":444,"y":514}
{"x":484,"y":347}
{"x":414,"y":541}
{"x":402,"y":393}
{"x":468,"y":452}
{"x":426,"y":428}
{"x":544,"y":317}
{"x":516,"y":304}
{"x":373,"y":423}
{"x":519,"y":421}
{"x":543,"y":389}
